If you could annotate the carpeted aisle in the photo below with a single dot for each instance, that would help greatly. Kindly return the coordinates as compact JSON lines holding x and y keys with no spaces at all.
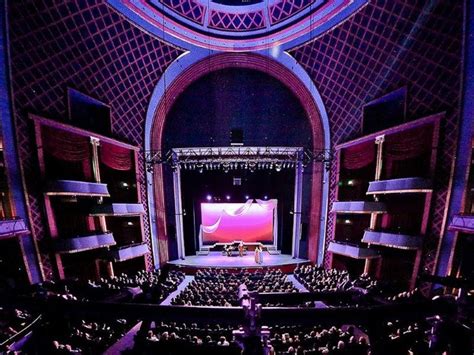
{"x":297,"y":284}
{"x":182,"y":286}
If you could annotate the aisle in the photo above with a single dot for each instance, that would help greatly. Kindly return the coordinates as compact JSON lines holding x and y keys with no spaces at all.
{"x":182,"y":286}
{"x":297,"y":284}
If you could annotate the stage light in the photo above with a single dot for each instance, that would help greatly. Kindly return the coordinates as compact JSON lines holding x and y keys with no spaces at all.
{"x":247,"y":197}
{"x":265,"y":197}
{"x":350,"y":182}
{"x":227,"y":197}
{"x":278,"y":166}
{"x":129,"y":223}
{"x":209,"y":197}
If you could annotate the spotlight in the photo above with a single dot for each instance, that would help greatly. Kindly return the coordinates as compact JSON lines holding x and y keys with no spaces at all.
{"x":278,"y":166}
{"x":209,"y":197}
{"x":265,"y":197}
{"x":227,"y":197}
{"x":129,"y":223}
{"x":247,"y":197}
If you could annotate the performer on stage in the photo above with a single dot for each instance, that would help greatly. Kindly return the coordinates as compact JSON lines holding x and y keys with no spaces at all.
{"x":228,"y":249}
{"x":258,"y":255}
{"x":241,"y":248}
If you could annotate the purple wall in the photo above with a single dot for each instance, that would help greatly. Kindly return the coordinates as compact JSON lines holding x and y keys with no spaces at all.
{"x":90,"y":47}
{"x":386,"y":45}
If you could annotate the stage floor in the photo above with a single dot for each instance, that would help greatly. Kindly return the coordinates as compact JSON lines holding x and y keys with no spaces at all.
{"x":216,"y":259}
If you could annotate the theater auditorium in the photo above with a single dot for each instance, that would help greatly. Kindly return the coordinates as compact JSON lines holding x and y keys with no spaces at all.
{"x":255,"y":177}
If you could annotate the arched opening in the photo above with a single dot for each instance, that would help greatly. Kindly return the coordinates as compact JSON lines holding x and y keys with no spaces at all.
{"x":269,"y":115}
{"x":272,"y":69}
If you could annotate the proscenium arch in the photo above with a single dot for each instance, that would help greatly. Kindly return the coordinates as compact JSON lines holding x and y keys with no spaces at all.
{"x":188,"y":68}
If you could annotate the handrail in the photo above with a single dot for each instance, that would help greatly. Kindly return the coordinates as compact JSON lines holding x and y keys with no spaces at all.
{"x":20,"y":333}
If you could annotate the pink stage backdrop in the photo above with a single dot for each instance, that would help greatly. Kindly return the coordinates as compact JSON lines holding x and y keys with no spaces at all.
{"x":226,"y":222}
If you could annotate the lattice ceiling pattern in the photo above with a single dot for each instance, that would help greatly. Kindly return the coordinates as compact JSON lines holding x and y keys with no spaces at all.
{"x":220,"y":27}
{"x":90,"y":47}
{"x":248,"y":21}
{"x":285,"y":9}
{"x":190,"y":9}
{"x":387,"y":45}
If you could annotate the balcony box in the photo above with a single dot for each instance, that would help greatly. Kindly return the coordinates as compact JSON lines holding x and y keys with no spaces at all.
{"x":79,"y":244}
{"x":12,"y":227}
{"x":353,"y":251}
{"x":462,"y":223}
{"x":77,"y":188}
{"x":128,"y":252}
{"x":405,"y":185}
{"x":118,"y":209}
{"x":362,"y":207}
{"x":392,"y":240}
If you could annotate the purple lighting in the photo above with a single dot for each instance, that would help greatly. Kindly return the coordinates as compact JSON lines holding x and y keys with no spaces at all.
{"x":209,"y":197}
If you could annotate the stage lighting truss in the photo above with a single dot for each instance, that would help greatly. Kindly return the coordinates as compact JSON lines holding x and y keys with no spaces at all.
{"x":233,"y":158}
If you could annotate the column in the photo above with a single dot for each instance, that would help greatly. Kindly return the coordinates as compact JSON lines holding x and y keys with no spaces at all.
{"x":178,"y":210}
{"x":297,"y":207}
{"x":95,"y":143}
{"x":378,"y":173}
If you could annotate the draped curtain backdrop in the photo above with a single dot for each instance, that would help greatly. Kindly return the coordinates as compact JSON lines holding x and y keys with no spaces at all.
{"x":406,"y":145}
{"x":67,"y":146}
{"x":358,"y":156}
{"x":117,"y":158}
{"x":70,"y":147}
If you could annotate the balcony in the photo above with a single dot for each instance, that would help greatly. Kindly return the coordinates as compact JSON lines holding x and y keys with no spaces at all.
{"x":353,"y":251}
{"x":128,"y":252}
{"x":79,"y":244}
{"x":405,"y":185}
{"x":77,"y":188}
{"x":393,"y":240}
{"x":462,"y":223}
{"x":118,"y":209}
{"x":362,"y":207}
{"x":12,"y":227}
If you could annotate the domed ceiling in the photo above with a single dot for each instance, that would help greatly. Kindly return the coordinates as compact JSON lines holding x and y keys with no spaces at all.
{"x":237,"y":25}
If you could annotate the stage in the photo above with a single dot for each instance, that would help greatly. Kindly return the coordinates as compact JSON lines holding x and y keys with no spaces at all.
{"x":216,"y":259}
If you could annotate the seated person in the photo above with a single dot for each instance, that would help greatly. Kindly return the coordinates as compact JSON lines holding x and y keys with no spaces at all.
{"x":228,"y":249}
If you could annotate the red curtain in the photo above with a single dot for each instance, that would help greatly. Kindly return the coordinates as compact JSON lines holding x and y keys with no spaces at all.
{"x":406,"y":145}
{"x":65,"y":145}
{"x":358,"y":156}
{"x":116,"y":157}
